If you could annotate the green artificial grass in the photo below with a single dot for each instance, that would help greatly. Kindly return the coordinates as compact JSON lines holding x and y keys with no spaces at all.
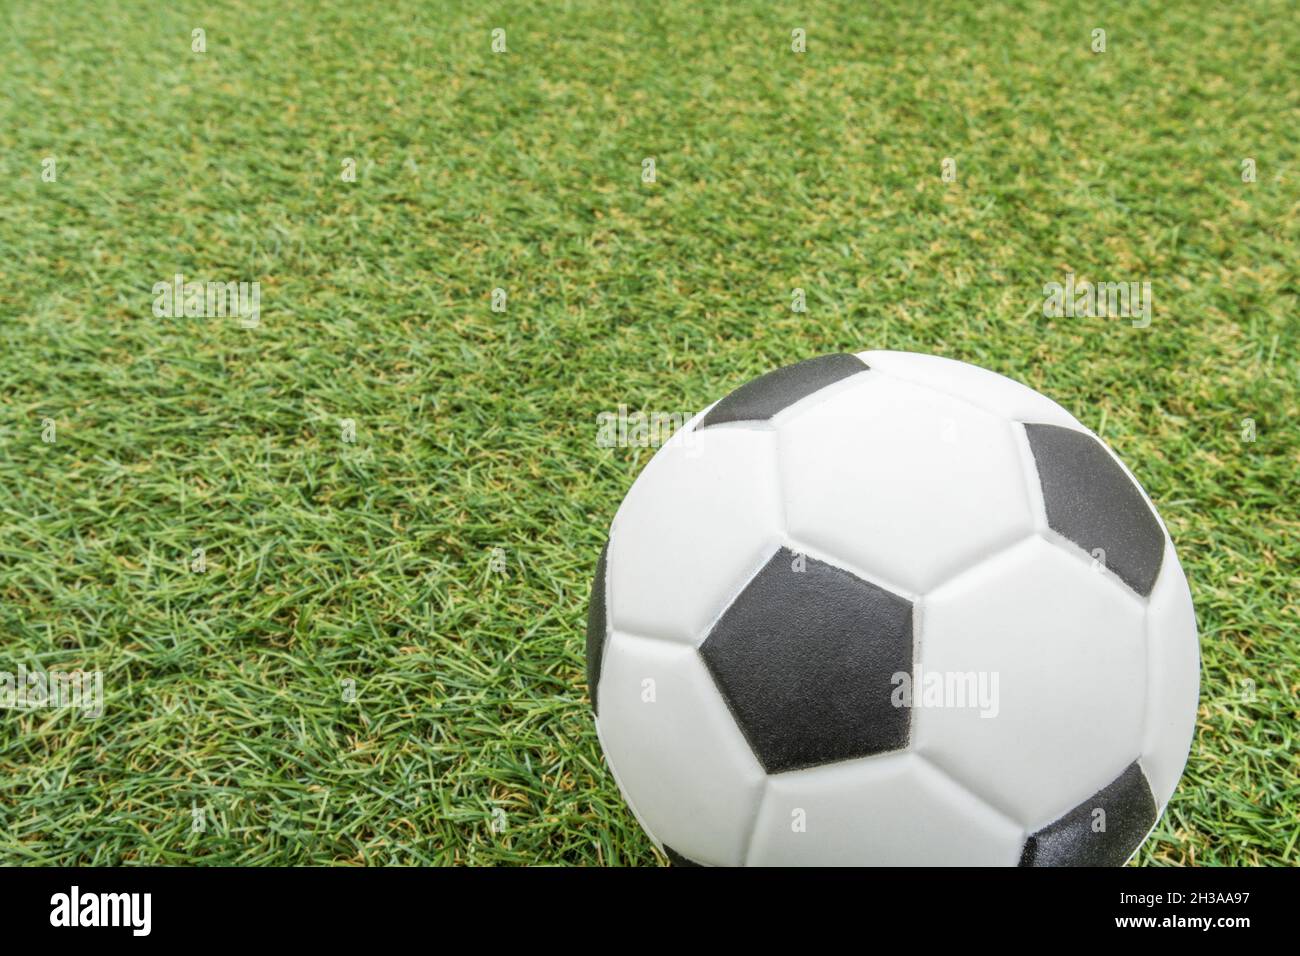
{"x":227,"y":692}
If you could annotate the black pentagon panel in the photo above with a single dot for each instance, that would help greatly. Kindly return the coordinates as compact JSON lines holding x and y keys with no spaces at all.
{"x":761,"y":398}
{"x":596,"y":627}
{"x":805,"y":660}
{"x":676,"y":859}
{"x":1078,"y":839}
{"x":1094,"y":503}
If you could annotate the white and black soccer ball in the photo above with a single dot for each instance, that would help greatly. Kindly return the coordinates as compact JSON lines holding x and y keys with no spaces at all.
{"x":891,"y":609}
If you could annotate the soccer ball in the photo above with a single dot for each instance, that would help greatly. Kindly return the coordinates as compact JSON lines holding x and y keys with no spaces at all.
{"x":890,"y":608}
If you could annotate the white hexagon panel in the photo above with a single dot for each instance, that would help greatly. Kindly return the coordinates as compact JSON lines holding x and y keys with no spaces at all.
{"x":990,"y":391}
{"x":904,"y":483}
{"x":895,"y":810}
{"x":1061,"y":650}
{"x":654,"y":690}
{"x":1173,"y":678}
{"x":698,"y":522}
